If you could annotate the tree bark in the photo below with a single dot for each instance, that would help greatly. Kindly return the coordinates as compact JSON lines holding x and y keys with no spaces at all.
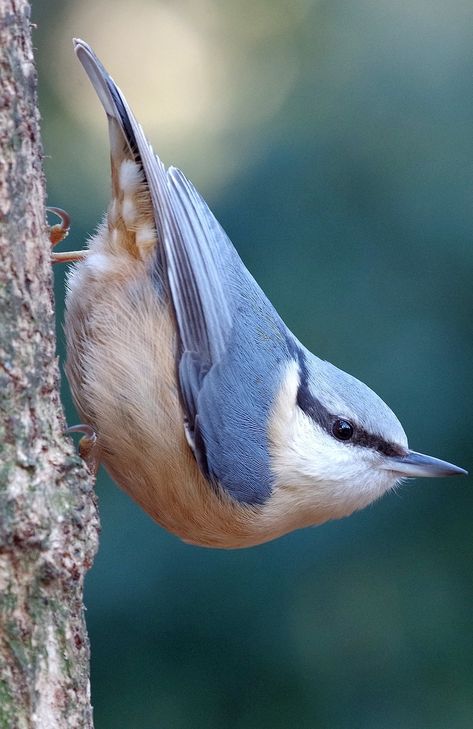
{"x":48,"y":519}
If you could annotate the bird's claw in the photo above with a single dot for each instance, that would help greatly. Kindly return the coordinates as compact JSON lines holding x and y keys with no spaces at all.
{"x":58,"y":232}
{"x":88,"y":449}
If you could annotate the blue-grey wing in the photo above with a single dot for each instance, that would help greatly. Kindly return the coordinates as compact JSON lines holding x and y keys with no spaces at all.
{"x":232,"y":342}
{"x":234,"y":346}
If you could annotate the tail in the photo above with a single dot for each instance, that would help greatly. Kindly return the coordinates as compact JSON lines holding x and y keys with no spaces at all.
{"x":109,"y":94}
{"x":127,"y":139}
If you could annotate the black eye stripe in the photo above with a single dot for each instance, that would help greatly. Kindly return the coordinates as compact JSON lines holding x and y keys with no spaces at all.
{"x":361,"y":437}
{"x":314,"y":409}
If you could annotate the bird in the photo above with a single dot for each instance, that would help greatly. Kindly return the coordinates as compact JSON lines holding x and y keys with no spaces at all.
{"x":195,"y":396}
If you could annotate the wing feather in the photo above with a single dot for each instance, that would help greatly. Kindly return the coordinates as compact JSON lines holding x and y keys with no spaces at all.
{"x":195,"y":260}
{"x":193,"y":244}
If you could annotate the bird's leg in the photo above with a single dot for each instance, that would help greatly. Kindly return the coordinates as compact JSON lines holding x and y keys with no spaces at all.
{"x":88,"y":447}
{"x":57,"y":233}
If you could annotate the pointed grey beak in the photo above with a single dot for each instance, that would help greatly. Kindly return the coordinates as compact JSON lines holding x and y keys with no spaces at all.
{"x":417,"y":465}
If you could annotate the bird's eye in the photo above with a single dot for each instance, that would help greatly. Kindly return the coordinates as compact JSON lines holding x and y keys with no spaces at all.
{"x":342,"y":429}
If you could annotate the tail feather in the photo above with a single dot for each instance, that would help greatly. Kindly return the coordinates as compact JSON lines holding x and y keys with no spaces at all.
{"x":117,"y":109}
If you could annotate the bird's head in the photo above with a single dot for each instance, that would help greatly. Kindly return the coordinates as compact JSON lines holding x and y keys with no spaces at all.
{"x":335,"y":441}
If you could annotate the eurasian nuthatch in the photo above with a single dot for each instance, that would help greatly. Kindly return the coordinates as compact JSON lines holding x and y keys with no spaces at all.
{"x":207,"y":409}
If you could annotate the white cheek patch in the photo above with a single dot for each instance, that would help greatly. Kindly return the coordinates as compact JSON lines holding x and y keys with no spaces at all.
{"x":301,"y":451}
{"x":282,"y":419}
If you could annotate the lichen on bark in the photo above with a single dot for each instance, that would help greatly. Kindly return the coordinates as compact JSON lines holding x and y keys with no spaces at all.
{"x":48,"y":519}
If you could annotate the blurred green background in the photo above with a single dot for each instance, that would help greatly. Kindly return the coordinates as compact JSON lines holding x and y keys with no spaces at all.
{"x":334,"y":141}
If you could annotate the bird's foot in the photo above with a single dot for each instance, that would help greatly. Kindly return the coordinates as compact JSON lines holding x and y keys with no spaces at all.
{"x":88,"y":448}
{"x":57,"y":233}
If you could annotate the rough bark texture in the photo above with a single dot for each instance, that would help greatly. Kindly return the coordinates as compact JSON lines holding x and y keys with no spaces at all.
{"x":48,"y":521}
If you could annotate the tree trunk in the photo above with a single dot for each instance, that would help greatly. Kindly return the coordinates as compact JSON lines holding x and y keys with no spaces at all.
{"x":48,"y":519}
